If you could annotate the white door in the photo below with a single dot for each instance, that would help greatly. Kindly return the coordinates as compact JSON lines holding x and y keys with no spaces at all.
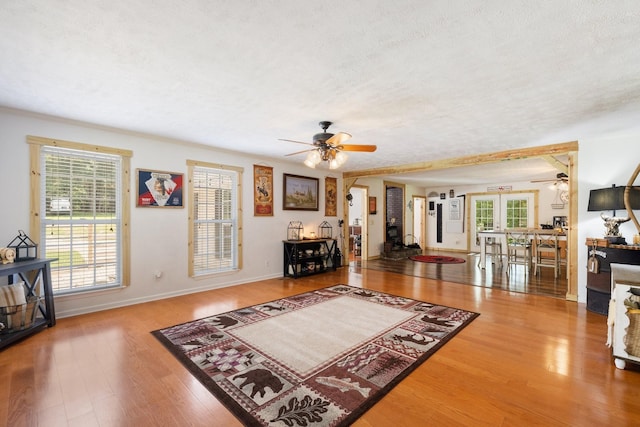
{"x":419,"y":220}
{"x":500,"y":211}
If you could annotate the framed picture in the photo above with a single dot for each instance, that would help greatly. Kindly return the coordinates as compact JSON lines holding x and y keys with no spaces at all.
{"x":158,"y":189}
{"x":262,"y":190}
{"x":373,"y":205}
{"x":330,"y":196}
{"x":299,"y":193}
{"x":454,"y":210}
{"x":560,"y":222}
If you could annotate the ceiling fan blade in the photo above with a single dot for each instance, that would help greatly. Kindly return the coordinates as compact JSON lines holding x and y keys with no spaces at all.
{"x":338,"y":138}
{"x":364,"y":148}
{"x":297,"y":142}
{"x":299,"y":152}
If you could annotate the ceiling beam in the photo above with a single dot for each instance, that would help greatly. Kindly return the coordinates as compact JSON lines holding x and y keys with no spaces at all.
{"x":557,"y":164}
{"x":519,"y":154}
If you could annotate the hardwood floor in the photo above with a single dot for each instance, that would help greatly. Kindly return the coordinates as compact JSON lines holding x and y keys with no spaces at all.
{"x":526,"y":360}
{"x":495,"y":276}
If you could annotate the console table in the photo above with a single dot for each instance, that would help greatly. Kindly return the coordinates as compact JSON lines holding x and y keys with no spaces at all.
{"x":306,"y":257}
{"x":599,"y":284}
{"x":33,"y":273}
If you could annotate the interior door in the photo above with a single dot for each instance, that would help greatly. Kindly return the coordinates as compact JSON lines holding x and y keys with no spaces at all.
{"x":419,"y":220}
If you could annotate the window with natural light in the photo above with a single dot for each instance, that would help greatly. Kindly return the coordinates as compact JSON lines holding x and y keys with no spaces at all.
{"x":214,"y":240}
{"x":81,"y":215}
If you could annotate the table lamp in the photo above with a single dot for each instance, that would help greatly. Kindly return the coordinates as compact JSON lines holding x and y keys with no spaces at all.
{"x":612,"y":199}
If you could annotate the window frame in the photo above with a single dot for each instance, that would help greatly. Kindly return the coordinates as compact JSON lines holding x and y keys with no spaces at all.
{"x":191,"y":167}
{"x":36,"y":144}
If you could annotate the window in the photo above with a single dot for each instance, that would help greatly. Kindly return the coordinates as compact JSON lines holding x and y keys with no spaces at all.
{"x":214,"y":222}
{"x":81,"y":213}
{"x":517,"y":213}
{"x":484,"y":214}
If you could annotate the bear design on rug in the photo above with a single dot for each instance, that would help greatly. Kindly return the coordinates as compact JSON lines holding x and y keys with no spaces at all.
{"x":224,"y":322}
{"x":261,"y":379}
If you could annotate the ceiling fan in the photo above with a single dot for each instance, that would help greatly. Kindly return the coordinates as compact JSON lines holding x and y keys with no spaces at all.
{"x":559,"y":179}
{"x":560,"y":184}
{"x":329,"y":147}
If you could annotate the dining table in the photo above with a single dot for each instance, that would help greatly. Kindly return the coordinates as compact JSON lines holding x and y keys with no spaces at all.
{"x":501,"y":235}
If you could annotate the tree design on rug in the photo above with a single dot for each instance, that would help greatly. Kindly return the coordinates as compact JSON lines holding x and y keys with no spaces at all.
{"x":302,"y":412}
{"x":391,"y":364}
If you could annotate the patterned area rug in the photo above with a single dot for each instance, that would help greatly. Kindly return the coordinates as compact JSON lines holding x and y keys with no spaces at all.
{"x":320,"y":358}
{"x":436,"y":259}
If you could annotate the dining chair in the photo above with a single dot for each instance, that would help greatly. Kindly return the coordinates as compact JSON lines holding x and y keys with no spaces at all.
{"x":546,"y":252}
{"x":518,"y":248}
{"x":493,"y":247}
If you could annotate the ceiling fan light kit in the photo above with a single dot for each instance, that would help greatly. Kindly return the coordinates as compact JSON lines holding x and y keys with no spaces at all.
{"x":328,"y":148}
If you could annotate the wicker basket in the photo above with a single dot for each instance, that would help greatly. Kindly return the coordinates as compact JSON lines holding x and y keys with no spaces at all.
{"x":19,"y":317}
{"x":632,"y":337}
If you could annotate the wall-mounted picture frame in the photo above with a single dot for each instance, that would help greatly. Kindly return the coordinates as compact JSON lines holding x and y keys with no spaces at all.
{"x":330,"y":196}
{"x":454,"y":210}
{"x":299,"y":193}
{"x":373,"y":205}
{"x":158,"y":189}
{"x":262,"y":190}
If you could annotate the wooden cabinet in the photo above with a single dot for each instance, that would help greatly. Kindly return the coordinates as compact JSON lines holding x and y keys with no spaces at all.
{"x":306,"y":257}
{"x":599,"y":283}
{"x":36,"y":275}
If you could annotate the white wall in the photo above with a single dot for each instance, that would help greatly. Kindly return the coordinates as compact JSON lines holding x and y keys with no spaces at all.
{"x":608,"y":154}
{"x":158,"y":236}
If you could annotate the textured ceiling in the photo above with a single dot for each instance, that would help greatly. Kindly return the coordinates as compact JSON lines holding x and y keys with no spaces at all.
{"x":423,"y":80}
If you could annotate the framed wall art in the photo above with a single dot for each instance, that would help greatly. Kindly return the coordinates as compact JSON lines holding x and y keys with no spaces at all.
{"x":158,"y":189}
{"x":330,"y":196}
{"x":373,"y":205}
{"x":262,"y":190}
{"x":299,"y":193}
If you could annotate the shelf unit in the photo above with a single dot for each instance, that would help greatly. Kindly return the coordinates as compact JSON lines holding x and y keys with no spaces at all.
{"x":307,"y":257}
{"x":33,"y":273}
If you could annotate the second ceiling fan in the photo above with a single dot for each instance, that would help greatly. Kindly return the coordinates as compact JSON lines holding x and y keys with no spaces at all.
{"x":329,"y":147}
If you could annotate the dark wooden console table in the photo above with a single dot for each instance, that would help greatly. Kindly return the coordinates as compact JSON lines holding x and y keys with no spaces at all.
{"x":599,"y":284}
{"x":32,"y":273}
{"x":306,"y":257}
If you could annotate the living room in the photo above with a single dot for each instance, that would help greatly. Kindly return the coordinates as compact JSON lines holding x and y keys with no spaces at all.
{"x":607,"y":134}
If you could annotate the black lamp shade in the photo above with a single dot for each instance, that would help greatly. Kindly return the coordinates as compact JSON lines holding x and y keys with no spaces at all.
{"x":612,"y":199}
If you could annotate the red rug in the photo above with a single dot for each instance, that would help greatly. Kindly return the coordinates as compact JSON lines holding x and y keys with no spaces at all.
{"x":437,"y":259}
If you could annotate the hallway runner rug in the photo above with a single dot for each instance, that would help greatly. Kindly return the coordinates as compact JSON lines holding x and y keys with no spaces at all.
{"x":320,"y":358}
{"x":437,"y":259}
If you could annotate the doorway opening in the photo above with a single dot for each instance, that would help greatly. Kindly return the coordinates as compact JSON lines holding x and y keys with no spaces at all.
{"x":358,"y":220}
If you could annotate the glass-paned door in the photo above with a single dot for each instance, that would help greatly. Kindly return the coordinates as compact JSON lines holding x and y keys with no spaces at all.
{"x":500,"y":211}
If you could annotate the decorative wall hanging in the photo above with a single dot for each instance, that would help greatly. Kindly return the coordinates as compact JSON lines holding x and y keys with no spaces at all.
{"x":373,"y":205}
{"x":330,"y":196}
{"x":454,"y":210}
{"x":299,"y":193}
{"x":158,"y":189}
{"x":262,"y":190}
